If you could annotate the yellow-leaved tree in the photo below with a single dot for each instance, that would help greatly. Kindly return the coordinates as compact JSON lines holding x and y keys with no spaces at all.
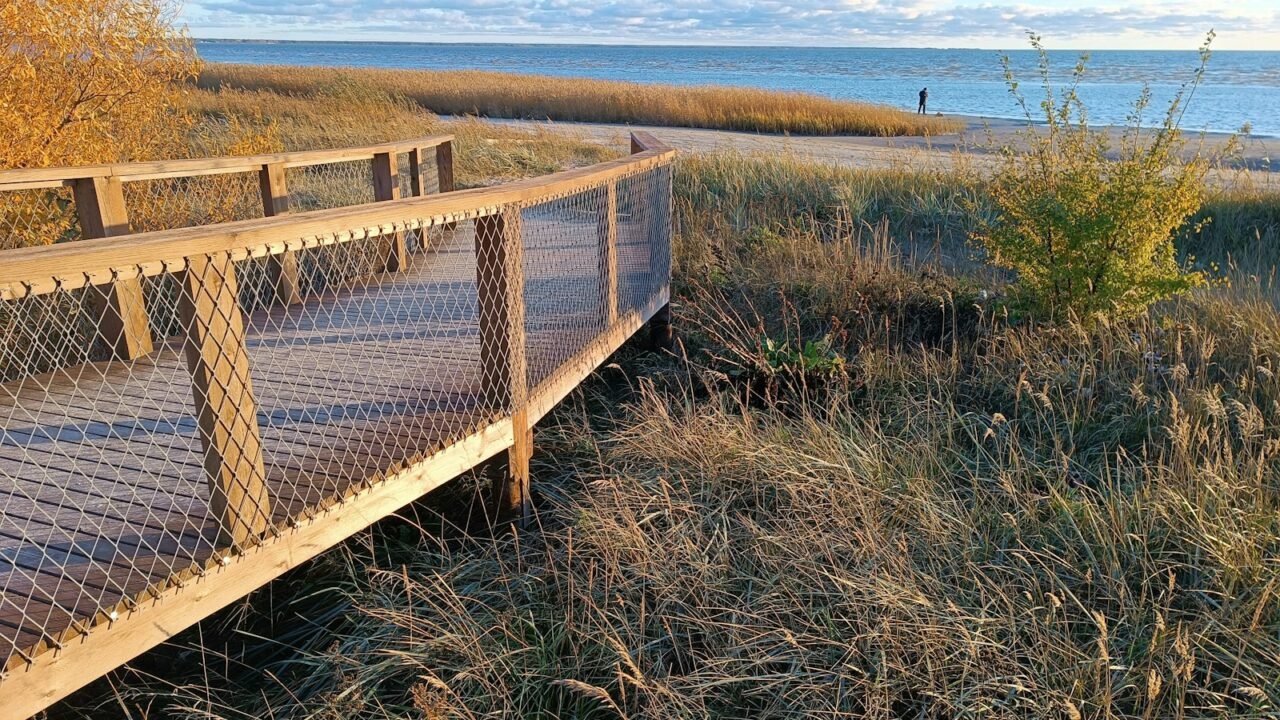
{"x":89,"y":81}
{"x":100,"y":81}
{"x":84,"y":82}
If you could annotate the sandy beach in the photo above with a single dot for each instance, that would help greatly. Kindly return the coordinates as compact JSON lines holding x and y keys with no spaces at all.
{"x":1257,"y":154}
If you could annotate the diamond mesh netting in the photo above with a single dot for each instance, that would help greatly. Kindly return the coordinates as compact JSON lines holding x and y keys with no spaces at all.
{"x":128,"y":468}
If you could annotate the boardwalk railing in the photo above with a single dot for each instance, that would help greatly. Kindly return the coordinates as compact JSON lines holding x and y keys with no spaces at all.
{"x":43,"y":206}
{"x":274,"y":385}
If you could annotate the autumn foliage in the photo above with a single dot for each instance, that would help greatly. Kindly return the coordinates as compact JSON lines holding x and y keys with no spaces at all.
{"x":98,"y":81}
{"x":86,"y":81}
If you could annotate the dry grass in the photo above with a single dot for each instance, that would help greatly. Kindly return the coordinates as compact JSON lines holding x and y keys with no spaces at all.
{"x":962,"y":517}
{"x":860,"y":491}
{"x":502,"y":95}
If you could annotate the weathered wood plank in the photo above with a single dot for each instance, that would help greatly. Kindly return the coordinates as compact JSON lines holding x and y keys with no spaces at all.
{"x":154,"y":170}
{"x":444,"y":166}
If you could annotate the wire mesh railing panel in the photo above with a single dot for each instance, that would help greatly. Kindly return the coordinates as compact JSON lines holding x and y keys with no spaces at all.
{"x":178,"y":202}
{"x":404,"y":173}
{"x":40,"y":333}
{"x":370,"y":371}
{"x":331,"y":185}
{"x":644,"y":238}
{"x":102,"y":492}
{"x":31,"y":218}
{"x":564,"y":241}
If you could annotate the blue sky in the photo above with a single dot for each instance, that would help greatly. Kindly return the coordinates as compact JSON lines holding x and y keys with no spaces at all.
{"x":1241,"y":24}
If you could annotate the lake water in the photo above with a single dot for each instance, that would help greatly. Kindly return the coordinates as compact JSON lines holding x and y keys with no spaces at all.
{"x":1239,"y":88}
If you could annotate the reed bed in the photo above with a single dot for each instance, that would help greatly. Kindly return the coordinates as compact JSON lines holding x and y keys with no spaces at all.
{"x":539,"y":97}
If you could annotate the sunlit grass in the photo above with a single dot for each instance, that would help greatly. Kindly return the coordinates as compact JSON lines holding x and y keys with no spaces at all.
{"x":504,"y":95}
{"x":484,"y":153}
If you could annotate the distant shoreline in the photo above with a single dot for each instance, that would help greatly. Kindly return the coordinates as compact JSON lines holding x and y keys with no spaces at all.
{"x":1238,"y":88}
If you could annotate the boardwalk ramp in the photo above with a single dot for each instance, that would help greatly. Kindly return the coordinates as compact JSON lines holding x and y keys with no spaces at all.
{"x":188,"y":412}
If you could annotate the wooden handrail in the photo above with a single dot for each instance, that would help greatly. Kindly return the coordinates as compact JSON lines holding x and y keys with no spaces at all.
{"x":36,"y":178}
{"x":37,"y":270}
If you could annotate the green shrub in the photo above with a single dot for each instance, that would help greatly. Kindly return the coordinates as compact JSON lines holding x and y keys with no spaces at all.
{"x":1088,"y":234}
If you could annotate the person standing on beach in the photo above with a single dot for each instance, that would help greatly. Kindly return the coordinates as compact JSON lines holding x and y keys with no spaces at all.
{"x":924,"y":99}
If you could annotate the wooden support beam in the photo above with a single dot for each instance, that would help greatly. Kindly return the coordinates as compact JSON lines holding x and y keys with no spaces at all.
{"x":283,"y":268}
{"x":123,"y":325}
{"x":386,"y":186}
{"x":504,"y":379}
{"x":226,"y":411}
{"x":608,"y":231}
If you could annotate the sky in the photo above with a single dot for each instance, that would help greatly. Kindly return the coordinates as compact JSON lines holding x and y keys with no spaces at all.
{"x":1000,"y":24}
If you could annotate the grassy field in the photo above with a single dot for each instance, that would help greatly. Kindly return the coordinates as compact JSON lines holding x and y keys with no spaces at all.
{"x":501,"y":95}
{"x":858,"y":490}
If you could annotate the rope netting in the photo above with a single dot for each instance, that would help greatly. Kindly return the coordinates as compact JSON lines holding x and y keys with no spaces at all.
{"x":250,"y":410}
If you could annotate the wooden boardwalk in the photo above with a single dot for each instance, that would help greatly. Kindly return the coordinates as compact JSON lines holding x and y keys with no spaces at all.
{"x":365,"y":394}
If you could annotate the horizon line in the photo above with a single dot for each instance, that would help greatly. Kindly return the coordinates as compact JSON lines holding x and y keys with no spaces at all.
{"x":661,"y":43}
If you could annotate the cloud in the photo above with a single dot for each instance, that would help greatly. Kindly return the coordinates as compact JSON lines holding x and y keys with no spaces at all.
{"x":767,"y":22}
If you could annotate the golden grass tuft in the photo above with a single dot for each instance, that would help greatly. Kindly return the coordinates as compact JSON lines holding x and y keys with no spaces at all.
{"x":505,"y":95}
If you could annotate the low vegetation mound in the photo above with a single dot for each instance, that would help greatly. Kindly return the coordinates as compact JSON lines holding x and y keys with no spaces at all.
{"x":504,"y":95}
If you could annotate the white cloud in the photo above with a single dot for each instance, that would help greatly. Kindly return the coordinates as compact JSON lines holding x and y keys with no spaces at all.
{"x":992,"y":23}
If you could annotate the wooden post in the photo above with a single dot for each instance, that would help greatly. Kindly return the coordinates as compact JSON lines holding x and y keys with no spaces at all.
{"x":226,"y":411}
{"x":660,"y":334}
{"x":386,"y":186}
{"x":444,"y":166}
{"x":608,"y":230}
{"x":283,"y":268}
{"x":444,"y":173}
{"x":421,"y":174}
{"x":504,"y":382}
{"x":100,"y":205}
